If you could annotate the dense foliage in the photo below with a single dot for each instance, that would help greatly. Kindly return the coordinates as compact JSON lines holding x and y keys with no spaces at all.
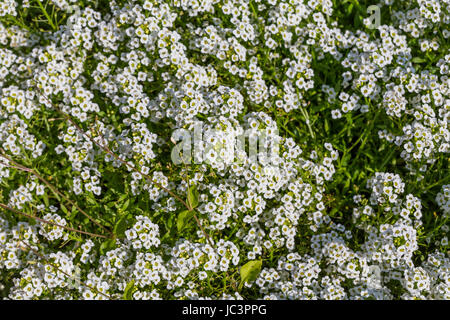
{"x":354,"y":203}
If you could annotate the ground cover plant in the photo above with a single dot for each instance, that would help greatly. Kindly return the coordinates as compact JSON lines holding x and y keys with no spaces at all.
{"x":123,"y":175}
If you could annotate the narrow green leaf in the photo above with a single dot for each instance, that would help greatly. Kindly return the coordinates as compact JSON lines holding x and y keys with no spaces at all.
{"x":125,"y":205}
{"x":169,"y":222}
{"x":122,"y":197}
{"x":128,"y":293}
{"x":64,"y":209}
{"x":73,"y":213}
{"x":72,"y":237}
{"x":192,"y":197}
{"x":46,"y":199}
{"x":350,"y":8}
{"x":121,"y":226}
{"x":91,"y":200}
{"x":418,"y":60}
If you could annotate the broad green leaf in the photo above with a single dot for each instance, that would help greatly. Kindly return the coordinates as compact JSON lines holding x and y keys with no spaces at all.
{"x":183,"y":219}
{"x":128,"y":293}
{"x":250,"y":271}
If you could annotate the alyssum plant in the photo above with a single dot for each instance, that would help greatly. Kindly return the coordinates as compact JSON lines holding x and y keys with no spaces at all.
{"x":320,"y":170}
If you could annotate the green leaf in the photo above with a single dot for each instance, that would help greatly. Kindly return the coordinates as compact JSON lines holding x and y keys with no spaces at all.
{"x":357,"y":19}
{"x":128,"y":293}
{"x":110,"y":204}
{"x":64,"y":209}
{"x":183,"y":219}
{"x":192,"y":197}
{"x":121,"y":226}
{"x":73,"y":213}
{"x":46,"y":199}
{"x":91,"y":200}
{"x":122,"y":197}
{"x":350,"y":8}
{"x":166,"y":236}
{"x":250,"y":271}
{"x":72,"y":237}
{"x":418,"y":60}
{"x":125,"y":205}
{"x":169,"y":222}
{"x":107,"y":246}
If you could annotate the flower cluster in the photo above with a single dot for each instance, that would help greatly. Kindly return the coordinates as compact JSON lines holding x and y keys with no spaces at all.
{"x":94,"y":101}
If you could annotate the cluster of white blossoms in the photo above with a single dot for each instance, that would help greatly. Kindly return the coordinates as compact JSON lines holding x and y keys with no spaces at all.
{"x":56,"y":231}
{"x":97,"y":98}
{"x":384,"y":259}
{"x":443,"y":199}
{"x":8,"y":8}
{"x":15,"y":137}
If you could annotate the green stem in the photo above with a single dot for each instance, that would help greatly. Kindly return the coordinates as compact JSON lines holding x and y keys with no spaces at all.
{"x":49,"y":19}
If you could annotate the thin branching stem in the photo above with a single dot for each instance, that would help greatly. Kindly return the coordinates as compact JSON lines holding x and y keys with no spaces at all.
{"x":107,"y":150}
{"x":4,"y":206}
{"x":53,"y":188}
